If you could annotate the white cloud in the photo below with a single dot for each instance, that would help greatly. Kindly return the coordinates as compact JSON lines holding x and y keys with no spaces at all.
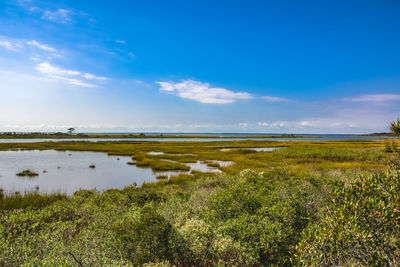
{"x":120,"y":41}
{"x":64,"y":75}
{"x":10,"y":44}
{"x":46,"y":68}
{"x":309,"y":124}
{"x":40,"y":46}
{"x":132,"y":55}
{"x":62,"y":16}
{"x":90,"y":76}
{"x":243,"y":124}
{"x":7,"y":45}
{"x":202,"y":92}
{"x":275,"y":99}
{"x":34,"y":58}
{"x":72,"y":81}
{"x":374,"y":98}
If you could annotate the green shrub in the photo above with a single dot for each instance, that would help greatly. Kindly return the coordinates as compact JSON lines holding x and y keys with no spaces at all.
{"x":140,"y":196}
{"x":204,"y":247}
{"x":144,"y":236}
{"x":395,"y":127}
{"x":265,"y":213}
{"x":391,"y":146}
{"x":361,"y":227}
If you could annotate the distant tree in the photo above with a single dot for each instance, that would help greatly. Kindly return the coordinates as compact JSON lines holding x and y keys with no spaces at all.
{"x":70,"y":130}
{"x":395,"y":127}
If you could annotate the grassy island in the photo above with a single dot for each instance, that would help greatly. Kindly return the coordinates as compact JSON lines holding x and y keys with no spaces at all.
{"x":27,"y":173}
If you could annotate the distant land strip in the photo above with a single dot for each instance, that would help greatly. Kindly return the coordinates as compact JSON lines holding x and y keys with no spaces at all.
{"x":60,"y":135}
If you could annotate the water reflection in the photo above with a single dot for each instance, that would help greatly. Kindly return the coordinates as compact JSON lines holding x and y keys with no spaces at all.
{"x":68,"y":171}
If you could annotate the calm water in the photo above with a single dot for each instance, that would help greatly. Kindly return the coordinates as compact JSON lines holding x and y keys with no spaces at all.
{"x":69,"y":171}
{"x":322,"y":137}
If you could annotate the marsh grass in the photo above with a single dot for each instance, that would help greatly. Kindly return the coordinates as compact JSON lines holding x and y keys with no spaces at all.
{"x":30,"y":199}
{"x":391,"y":146}
{"x":213,"y":164}
{"x":161,"y":165}
{"x":27,"y":173}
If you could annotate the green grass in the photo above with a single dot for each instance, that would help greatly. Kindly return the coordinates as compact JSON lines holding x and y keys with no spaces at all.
{"x":33,"y":200}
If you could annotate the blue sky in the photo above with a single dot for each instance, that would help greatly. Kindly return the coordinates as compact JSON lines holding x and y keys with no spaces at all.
{"x":199,"y":66}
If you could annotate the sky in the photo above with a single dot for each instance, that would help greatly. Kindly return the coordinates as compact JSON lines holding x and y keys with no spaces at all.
{"x":267,"y":66}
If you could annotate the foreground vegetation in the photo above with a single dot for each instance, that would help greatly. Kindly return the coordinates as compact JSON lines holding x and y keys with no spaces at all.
{"x":312,"y":203}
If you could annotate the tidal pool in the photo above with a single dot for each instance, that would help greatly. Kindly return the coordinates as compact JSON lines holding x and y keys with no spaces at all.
{"x":68,"y":171}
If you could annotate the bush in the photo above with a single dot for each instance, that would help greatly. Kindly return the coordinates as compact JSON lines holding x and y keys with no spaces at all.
{"x":359,"y":228}
{"x":391,"y":146}
{"x":395,"y":127}
{"x":140,"y":197}
{"x":204,"y":247}
{"x":265,"y":213}
{"x":144,"y":236}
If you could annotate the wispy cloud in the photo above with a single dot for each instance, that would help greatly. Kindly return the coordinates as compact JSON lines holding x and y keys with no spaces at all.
{"x":10,"y":44}
{"x":275,"y":99}
{"x":41,"y":46}
{"x":120,"y":41}
{"x":7,"y":45}
{"x":132,"y":55}
{"x":202,"y":92}
{"x":274,"y":124}
{"x":14,"y":44}
{"x":310,"y":125}
{"x":374,"y":98}
{"x":69,"y":76}
{"x":90,"y":76}
{"x":62,"y":16}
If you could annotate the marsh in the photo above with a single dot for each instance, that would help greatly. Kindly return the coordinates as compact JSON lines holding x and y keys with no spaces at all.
{"x":68,"y":171}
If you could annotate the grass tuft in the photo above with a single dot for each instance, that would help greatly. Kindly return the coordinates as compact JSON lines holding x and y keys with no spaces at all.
{"x":27,"y":173}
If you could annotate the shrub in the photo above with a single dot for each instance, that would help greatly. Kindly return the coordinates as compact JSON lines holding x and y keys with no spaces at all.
{"x":360,"y":227}
{"x":264,"y":213}
{"x":395,"y":127}
{"x":143,"y":236}
{"x":140,"y":197}
{"x":204,"y":247}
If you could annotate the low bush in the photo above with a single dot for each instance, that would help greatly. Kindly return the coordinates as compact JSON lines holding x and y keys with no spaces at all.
{"x":361,"y":226}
